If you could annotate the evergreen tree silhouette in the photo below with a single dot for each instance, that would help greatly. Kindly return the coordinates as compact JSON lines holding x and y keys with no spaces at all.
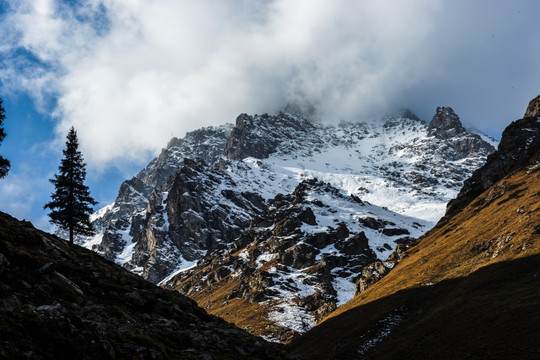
{"x":71,"y":202}
{"x":4,"y":163}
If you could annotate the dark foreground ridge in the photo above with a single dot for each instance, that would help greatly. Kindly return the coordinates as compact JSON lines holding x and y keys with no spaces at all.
{"x":59,"y":301}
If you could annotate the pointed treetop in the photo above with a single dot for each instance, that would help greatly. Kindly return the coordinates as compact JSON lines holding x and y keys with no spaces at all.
{"x":4,"y":163}
{"x":71,"y":202}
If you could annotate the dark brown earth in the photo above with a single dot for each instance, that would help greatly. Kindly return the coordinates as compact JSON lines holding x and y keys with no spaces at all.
{"x":60,"y":301}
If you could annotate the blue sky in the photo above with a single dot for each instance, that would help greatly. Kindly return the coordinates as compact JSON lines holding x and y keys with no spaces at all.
{"x":129,"y":75}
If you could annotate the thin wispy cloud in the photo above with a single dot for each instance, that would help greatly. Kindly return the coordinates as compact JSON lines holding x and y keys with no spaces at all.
{"x":131,"y":74}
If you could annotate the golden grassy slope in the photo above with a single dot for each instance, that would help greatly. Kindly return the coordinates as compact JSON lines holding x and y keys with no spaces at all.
{"x":470,"y":272}
{"x":499,"y":225}
{"x":250,"y":316}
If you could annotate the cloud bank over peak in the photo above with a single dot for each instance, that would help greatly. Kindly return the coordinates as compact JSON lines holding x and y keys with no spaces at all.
{"x":129,"y":75}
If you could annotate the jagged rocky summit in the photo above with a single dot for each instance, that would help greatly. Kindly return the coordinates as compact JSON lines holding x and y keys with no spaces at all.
{"x":202,"y":191}
{"x":445,"y":124}
{"x":533,"y":110}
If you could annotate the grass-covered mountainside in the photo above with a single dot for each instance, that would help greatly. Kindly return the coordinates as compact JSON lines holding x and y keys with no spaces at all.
{"x":470,"y":288}
{"x":60,"y":301}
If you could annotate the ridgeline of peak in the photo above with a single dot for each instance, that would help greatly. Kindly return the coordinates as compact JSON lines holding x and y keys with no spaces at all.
{"x":533,"y":110}
{"x":147,"y":231}
{"x":401,"y":113}
{"x":259,"y":136}
{"x":445,"y":123}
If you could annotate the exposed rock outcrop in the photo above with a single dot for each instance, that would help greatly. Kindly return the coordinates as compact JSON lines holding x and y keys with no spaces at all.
{"x":119,"y":222}
{"x":200,"y":209}
{"x":259,"y":136}
{"x":519,"y":140}
{"x":533,"y":110}
{"x":445,"y":124}
{"x":297,"y":257}
{"x":379,"y":269}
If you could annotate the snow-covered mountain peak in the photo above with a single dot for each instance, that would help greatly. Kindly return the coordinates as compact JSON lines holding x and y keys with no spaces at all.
{"x":179,"y":208}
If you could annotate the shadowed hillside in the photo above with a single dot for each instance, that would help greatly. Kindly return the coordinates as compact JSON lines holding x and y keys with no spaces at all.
{"x":59,"y":301}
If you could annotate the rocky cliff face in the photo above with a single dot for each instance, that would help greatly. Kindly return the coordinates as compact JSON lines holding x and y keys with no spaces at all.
{"x":445,"y":124}
{"x":518,"y":140}
{"x":260,"y":136}
{"x":533,"y":110}
{"x":299,"y":259}
{"x":119,"y":222}
{"x":198,"y":210}
{"x":59,"y":301}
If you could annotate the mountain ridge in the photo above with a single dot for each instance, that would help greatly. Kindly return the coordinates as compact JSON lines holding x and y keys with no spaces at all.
{"x":291,"y":148}
{"x":292,"y":285}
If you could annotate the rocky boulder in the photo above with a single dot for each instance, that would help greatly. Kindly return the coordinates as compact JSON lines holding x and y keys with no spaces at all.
{"x":533,"y":110}
{"x":375,"y":271}
{"x":445,"y":124}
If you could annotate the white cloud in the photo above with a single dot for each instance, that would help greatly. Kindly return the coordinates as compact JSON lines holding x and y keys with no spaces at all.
{"x":131,"y":74}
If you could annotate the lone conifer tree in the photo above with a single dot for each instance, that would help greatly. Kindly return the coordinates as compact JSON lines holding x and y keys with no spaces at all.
{"x":70,"y":205}
{"x":4,"y":163}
